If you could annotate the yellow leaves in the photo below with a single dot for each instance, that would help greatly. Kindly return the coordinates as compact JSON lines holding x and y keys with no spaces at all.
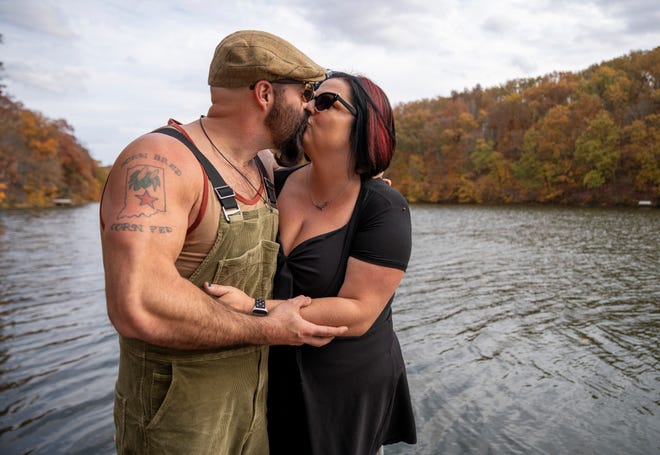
{"x":612,"y":85}
{"x":466,"y":122}
{"x":45,"y":148}
{"x":40,"y":159}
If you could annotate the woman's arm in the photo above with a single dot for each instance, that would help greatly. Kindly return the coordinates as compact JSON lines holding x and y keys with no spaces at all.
{"x":366,"y":290}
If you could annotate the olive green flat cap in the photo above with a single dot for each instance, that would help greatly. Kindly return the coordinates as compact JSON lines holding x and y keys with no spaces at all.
{"x":248,"y":56}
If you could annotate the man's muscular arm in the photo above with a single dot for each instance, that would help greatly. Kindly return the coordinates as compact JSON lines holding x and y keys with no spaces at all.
{"x":152,"y":194}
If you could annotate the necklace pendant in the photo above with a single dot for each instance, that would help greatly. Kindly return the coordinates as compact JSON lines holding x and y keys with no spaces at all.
{"x":322,"y":205}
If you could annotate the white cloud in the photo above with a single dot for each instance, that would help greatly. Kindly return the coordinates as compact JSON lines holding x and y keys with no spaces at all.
{"x":118,"y":68}
{"x":43,"y":18}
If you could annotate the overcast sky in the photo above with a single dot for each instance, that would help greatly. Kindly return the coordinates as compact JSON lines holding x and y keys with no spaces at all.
{"x":115,"y":69}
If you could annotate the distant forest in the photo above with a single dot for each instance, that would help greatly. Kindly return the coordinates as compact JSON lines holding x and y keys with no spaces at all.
{"x":41,"y":160}
{"x":590,"y":138}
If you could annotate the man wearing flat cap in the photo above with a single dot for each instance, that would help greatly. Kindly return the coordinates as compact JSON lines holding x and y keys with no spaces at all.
{"x":190,"y":204}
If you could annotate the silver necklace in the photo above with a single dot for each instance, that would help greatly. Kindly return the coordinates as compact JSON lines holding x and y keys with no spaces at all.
{"x":322,"y":205}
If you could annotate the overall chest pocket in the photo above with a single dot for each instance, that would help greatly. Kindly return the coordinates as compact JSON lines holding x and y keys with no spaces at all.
{"x":253,"y":271}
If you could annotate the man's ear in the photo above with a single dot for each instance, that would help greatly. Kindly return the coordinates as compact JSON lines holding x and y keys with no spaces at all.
{"x":263,"y":92}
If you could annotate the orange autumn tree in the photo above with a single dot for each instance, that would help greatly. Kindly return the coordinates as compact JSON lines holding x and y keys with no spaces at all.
{"x":40,"y":159}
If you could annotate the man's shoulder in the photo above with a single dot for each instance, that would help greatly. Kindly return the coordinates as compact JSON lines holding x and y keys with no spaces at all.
{"x":155,"y":148}
{"x":158,"y":160}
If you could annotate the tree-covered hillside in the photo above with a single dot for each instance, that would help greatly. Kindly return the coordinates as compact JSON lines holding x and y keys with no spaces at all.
{"x":41,"y":160}
{"x":586,"y":138}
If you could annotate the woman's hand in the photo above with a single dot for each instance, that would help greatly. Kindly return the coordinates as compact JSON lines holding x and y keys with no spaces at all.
{"x":230,"y":295}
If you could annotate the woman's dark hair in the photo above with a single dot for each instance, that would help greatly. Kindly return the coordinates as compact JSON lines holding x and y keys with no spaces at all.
{"x":373,"y":137}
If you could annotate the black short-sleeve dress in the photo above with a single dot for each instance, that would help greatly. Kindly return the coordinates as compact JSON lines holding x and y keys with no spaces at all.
{"x":350,"y":396}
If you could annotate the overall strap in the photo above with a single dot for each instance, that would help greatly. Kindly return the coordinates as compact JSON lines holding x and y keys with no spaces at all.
{"x":224,"y":192}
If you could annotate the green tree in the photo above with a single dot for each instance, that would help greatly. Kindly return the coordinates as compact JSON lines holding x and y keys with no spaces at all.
{"x":596,"y":151}
{"x":642,"y":153}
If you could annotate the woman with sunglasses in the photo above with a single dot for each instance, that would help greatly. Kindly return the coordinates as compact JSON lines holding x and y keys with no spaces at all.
{"x":345,"y":241}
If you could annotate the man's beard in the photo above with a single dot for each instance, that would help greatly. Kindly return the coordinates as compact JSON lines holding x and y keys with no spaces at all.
{"x":287,"y":127}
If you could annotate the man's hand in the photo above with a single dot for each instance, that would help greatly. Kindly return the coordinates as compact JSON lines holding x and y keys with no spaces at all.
{"x":286,"y":326}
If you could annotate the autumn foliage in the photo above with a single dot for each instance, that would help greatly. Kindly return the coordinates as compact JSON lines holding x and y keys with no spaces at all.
{"x":587,"y":138}
{"x":40,"y":160}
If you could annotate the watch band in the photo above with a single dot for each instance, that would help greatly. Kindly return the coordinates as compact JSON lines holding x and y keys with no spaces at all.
{"x":259,"y":307}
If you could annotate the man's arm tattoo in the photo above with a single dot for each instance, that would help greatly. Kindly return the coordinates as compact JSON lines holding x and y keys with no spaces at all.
{"x":144,"y":192}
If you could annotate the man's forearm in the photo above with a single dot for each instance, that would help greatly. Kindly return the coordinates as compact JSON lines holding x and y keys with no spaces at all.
{"x":180,"y":316}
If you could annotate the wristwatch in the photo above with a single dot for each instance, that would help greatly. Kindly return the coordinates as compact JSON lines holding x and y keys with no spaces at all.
{"x":259,"y":307}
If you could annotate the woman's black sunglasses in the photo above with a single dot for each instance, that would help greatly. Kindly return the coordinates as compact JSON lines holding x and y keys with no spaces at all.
{"x":325,"y":101}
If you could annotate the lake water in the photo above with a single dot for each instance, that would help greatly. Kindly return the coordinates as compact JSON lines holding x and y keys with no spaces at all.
{"x":525,"y":330}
